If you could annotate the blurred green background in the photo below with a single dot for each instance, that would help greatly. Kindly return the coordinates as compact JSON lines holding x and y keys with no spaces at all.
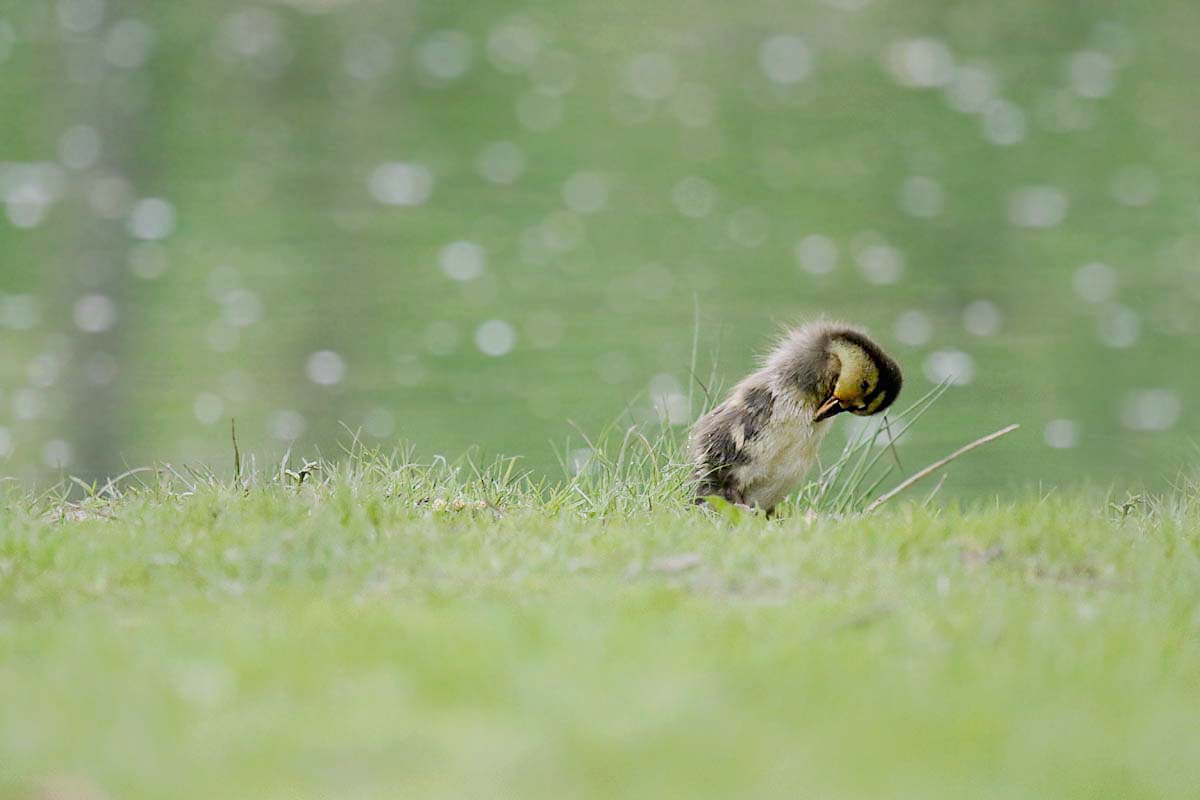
{"x":463,"y":224}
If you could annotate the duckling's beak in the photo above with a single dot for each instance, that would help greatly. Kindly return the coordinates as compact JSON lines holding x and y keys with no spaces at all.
{"x":831,"y":407}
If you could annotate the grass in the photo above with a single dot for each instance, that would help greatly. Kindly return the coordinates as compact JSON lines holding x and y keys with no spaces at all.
{"x":385,"y":629}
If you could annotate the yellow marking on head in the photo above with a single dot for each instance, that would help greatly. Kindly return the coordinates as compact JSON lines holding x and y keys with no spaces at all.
{"x":878,"y":402}
{"x":858,"y":376}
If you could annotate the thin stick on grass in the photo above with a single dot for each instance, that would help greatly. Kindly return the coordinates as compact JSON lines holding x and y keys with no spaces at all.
{"x":695,"y":348}
{"x":935,"y":466}
{"x":887,"y":426}
{"x":237,"y":454}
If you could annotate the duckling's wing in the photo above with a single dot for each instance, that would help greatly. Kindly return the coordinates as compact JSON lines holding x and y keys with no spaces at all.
{"x":722,"y":437}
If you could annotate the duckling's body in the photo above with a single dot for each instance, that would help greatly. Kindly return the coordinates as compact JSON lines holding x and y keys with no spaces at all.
{"x":756,"y":447}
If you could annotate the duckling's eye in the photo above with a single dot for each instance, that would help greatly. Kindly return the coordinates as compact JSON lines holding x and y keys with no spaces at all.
{"x":864,"y":386}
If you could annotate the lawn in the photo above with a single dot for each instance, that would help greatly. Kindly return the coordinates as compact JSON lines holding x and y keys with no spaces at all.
{"x":383,"y":630}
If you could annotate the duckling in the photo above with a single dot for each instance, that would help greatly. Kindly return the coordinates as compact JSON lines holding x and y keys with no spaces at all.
{"x":755,"y":448}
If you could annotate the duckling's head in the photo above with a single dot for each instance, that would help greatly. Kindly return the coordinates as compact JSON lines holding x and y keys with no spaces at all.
{"x":867,"y":379}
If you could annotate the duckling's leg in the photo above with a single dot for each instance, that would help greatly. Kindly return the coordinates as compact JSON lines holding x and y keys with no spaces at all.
{"x":735,"y":497}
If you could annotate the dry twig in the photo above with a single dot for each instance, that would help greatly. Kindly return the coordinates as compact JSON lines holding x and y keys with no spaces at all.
{"x":935,"y":466}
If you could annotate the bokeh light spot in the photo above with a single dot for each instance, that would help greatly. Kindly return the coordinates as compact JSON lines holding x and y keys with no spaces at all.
{"x":241,"y":308}
{"x":1037,"y":207}
{"x":1003,"y":123}
{"x":326,"y":368}
{"x":921,"y":196}
{"x":79,"y":147}
{"x":368,"y":57}
{"x":44,"y":370}
{"x":19,"y":312}
{"x":500,"y":162}
{"x":1134,"y":186}
{"x":8,"y":39}
{"x":129,"y":44}
{"x":748,"y":227}
{"x":972,"y":89}
{"x":28,"y":404}
{"x":100,"y":369}
{"x":57,"y":454}
{"x":586,"y":192}
{"x":462,"y":261}
{"x":668,"y":400}
{"x":513,"y":45}
{"x":286,"y":425}
{"x":1061,"y":434}
{"x":95,"y":313}
{"x":952,"y":366}
{"x":1119,"y":327}
{"x":80,"y":16}
{"x":445,"y":55}
{"x":694,"y":197}
{"x":920,"y":63}
{"x":400,"y":184}
{"x":785,"y":59}
{"x":1092,"y":74}
{"x":982,"y":318}
{"x":651,"y":76}
{"x":817,"y":254}
{"x":152,"y":219}
{"x":880,"y":264}
{"x":539,"y":112}
{"x":1095,"y":282}
{"x":409,"y":370}
{"x":379,"y":423}
{"x":208,"y":408}
{"x":1151,"y":410}
{"x":110,"y":196}
{"x":495,"y":338}
{"x":914,"y":328}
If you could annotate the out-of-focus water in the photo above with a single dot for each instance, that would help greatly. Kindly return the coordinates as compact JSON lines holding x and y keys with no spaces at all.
{"x":461,"y":224}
